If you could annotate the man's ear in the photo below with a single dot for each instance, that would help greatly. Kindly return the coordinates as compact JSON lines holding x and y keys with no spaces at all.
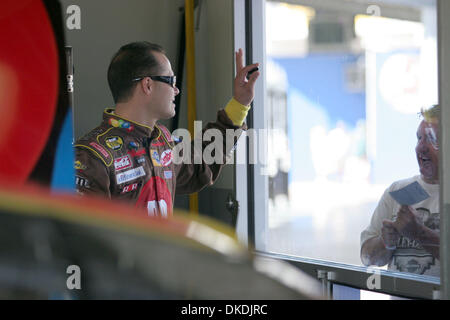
{"x":147,"y":85}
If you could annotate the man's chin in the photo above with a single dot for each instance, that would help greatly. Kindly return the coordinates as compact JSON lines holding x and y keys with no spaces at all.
{"x":428,"y":176}
{"x":167,"y":116}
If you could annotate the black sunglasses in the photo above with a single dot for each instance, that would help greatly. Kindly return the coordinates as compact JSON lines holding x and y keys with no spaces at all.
{"x":170,"y":80}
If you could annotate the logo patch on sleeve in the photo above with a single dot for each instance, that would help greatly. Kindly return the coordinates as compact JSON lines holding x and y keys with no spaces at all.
{"x":130,"y":175}
{"x":122,"y":163}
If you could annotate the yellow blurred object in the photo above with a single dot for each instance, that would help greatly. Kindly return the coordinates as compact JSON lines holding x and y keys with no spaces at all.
{"x":121,"y":253}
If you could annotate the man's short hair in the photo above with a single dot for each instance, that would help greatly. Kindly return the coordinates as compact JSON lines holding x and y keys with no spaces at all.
{"x":431,"y":114}
{"x":131,"y":61}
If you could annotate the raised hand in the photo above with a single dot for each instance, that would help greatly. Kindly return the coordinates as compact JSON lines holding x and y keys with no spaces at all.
{"x":244,"y":89}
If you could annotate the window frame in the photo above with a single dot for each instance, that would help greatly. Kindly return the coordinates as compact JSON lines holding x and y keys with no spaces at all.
{"x":252,"y":189}
{"x":443,"y":26}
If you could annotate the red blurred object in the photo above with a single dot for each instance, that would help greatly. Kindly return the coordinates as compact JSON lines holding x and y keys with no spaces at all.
{"x":29,"y":71}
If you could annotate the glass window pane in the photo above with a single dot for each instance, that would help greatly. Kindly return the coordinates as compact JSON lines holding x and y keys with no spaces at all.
{"x":341,"y":292}
{"x":345,"y":88}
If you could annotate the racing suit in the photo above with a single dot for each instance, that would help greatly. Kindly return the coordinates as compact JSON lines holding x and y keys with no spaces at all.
{"x":124,"y":160}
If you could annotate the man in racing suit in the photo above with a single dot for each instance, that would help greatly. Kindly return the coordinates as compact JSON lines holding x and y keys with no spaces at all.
{"x":129,"y":156}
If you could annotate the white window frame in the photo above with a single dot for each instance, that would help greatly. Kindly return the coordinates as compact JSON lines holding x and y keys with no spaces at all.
{"x":249,"y":16}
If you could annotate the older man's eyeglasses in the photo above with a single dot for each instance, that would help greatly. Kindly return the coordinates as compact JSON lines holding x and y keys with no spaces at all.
{"x":170,"y":80}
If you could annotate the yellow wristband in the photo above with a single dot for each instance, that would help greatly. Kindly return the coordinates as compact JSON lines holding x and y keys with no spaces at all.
{"x":236,"y":112}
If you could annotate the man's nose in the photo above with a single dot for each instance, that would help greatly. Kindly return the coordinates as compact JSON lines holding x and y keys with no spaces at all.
{"x":177,"y":91}
{"x":423,"y":145}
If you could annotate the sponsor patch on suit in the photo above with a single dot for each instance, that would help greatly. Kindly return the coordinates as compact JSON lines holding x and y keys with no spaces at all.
{"x":168,"y":174}
{"x":122,"y":163}
{"x":79,"y":166}
{"x":81,"y":182}
{"x":100,"y":149}
{"x":166,"y":157}
{"x":140,"y":160}
{"x":130,"y":175}
{"x":129,"y":188}
{"x":114,"y":143}
{"x":155,"y":158}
